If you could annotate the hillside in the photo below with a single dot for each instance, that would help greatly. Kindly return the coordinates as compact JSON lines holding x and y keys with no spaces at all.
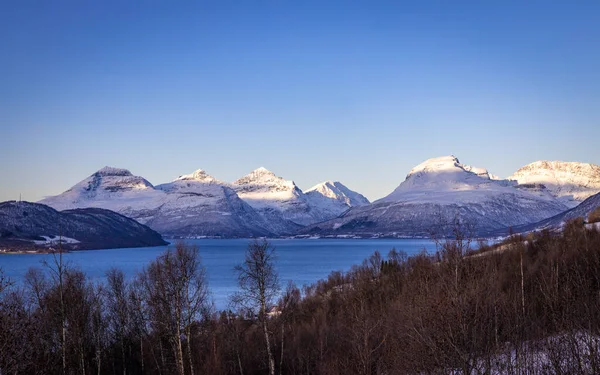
{"x":33,"y":225}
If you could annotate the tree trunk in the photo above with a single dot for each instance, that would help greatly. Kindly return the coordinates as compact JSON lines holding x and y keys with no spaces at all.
{"x":268,"y":342}
{"x":177,"y":339}
{"x":123,"y":356}
{"x":522,"y":286}
{"x":179,"y":353}
{"x":142,"y":353}
{"x":188,"y":333}
{"x":281,"y":358}
{"x":239,"y":360}
{"x":98,"y":360}
{"x":162,"y":355}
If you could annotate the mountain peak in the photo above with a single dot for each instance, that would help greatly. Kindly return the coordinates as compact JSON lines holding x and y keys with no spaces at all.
{"x":262,"y":170}
{"x":442,"y":174}
{"x":335,"y":190}
{"x":447,"y":164}
{"x":112,"y":171}
{"x":197,"y":175}
{"x":439,"y":164}
{"x":327,"y":185}
{"x":262,"y":176}
{"x":260,"y":173}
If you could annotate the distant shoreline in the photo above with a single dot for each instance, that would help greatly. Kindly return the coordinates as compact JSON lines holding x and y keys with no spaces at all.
{"x":31,"y":251}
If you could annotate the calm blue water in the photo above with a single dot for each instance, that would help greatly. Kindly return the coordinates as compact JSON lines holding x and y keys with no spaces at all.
{"x":302,"y":261}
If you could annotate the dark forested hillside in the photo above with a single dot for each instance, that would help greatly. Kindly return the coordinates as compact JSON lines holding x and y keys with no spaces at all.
{"x":531,"y":308}
{"x":25,"y":225}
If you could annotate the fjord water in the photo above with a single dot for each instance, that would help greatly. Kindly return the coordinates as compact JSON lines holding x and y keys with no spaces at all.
{"x":302,"y":261}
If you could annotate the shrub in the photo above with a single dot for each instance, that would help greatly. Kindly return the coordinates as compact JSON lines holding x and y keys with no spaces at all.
{"x":594,"y":216}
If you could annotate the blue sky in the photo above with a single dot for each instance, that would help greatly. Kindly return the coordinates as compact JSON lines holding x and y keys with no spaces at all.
{"x":353,"y":91}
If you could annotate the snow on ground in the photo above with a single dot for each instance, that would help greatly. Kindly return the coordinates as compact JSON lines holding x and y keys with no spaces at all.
{"x":55,"y":240}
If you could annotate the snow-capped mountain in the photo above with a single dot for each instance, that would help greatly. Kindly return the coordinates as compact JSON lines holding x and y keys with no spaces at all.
{"x":192,"y":205}
{"x":114,"y":189}
{"x":200,"y":205}
{"x":572,"y":182}
{"x":332,"y":198}
{"x":438,"y":191}
{"x":279,"y":201}
{"x":262,"y":203}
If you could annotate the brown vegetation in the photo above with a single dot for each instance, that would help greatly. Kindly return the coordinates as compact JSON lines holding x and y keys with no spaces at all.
{"x":532,"y":308}
{"x":594,"y":216}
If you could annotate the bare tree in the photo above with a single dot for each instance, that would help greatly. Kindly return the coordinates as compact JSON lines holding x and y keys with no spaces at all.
{"x":5,"y":282}
{"x":59,"y":271}
{"x":118,"y":308}
{"x":177,"y":295}
{"x":259,"y":285}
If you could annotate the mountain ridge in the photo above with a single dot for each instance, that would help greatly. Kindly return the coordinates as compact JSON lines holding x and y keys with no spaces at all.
{"x":572,"y":182}
{"x":261,"y":203}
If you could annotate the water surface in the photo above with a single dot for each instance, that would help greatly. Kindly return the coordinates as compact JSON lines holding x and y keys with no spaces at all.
{"x":303,"y":261}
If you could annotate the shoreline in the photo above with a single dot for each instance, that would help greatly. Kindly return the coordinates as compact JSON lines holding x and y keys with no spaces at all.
{"x":37,"y":251}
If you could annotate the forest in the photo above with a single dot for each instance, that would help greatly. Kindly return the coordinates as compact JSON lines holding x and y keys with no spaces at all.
{"x":529,"y":306}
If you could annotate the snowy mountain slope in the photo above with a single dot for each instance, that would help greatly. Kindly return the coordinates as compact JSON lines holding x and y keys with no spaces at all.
{"x":279,"y":201}
{"x":557,"y":221}
{"x":114,"y":189}
{"x":337,"y":191}
{"x":572,"y":182}
{"x":200,"y":205}
{"x":439,"y":190}
{"x":27,"y":225}
{"x":444,"y":180}
{"x":332,"y":198}
{"x":192,"y":205}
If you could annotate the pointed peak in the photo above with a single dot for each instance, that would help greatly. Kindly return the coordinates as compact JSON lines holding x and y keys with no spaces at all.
{"x":112,"y":171}
{"x":264,"y":178}
{"x":197,"y":175}
{"x":262,"y":171}
{"x":338,"y":191}
{"x":329,"y":184}
{"x":259,"y":175}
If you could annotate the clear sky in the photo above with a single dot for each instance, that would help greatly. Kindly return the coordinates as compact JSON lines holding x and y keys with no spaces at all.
{"x":355,"y":91}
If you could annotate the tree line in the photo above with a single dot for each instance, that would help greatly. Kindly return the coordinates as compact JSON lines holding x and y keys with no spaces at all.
{"x":530,"y":306}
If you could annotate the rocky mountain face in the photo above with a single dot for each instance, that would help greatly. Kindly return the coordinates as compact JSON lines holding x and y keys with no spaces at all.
{"x":571,"y":182}
{"x":437,"y":192}
{"x":332,"y":198}
{"x":32,"y":225}
{"x":200,"y":205}
{"x":114,"y":189}
{"x":279,"y":201}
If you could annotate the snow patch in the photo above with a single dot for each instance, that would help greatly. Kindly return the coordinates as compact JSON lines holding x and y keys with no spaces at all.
{"x":55,"y":241}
